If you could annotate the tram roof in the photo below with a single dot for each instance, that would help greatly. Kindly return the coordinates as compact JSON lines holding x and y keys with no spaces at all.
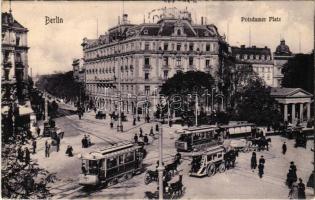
{"x":198,"y":128}
{"x":111,"y":151}
{"x":236,"y":125}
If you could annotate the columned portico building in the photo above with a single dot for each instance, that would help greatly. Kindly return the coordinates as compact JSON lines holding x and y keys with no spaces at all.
{"x":295,"y":103}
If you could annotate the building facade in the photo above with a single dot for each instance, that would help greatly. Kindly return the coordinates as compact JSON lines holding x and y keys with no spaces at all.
{"x":14,"y":57}
{"x":137,"y":59}
{"x":280,"y":57}
{"x":260,"y":59}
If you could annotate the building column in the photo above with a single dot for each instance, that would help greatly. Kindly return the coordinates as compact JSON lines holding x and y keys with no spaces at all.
{"x":301,"y":112}
{"x":285,"y":112}
{"x":293,"y":113}
{"x":308,"y":115}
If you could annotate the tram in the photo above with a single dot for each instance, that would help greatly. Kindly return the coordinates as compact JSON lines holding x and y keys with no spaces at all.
{"x":238,"y":130}
{"x":111,"y":165}
{"x":196,"y":138}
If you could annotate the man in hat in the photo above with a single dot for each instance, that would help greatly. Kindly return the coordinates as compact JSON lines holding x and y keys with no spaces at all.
{"x":262,"y":160}
{"x":284,"y":148}
{"x":301,"y":189}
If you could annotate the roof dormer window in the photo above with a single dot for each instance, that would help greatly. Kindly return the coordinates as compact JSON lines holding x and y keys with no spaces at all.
{"x":145,"y":32}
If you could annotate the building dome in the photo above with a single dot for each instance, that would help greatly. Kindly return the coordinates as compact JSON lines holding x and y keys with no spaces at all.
{"x":283,"y":49}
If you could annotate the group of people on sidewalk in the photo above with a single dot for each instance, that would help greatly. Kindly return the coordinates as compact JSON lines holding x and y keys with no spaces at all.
{"x":297,"y":190}
{"x":86,"y":141}
{"x":261,"y":165}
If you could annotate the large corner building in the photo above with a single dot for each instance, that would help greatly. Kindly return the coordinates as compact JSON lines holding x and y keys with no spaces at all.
{"x":137,"y":59}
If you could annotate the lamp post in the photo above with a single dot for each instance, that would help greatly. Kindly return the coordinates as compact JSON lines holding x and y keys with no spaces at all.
{"x":119,"y":126}
{"x":196,"y":113}
{"x":160,"y":167}
{"x":46,"y":107}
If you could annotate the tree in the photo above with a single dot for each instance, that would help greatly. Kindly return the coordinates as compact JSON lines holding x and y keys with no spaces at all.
{"x":21,"y":181}
{"x":299,"y":72}
{"x":180,"y":91}
{"x":255,"y":105}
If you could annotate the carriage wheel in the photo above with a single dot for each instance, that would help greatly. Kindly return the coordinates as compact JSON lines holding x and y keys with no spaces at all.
{"x":222,"y":167}
{"x":211,"y":170}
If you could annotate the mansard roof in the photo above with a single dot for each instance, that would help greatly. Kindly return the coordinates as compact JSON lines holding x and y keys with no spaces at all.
{"x":250,"y":50}
{"x":163,"y":28}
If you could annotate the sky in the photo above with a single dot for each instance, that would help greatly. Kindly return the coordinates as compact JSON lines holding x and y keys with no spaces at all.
{"x":54,"y":46}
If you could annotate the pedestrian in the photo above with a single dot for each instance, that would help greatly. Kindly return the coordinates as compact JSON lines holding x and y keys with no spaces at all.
{"x":135,"y":138}
{"x":253,"y":161}
{"x":156,"y":128}
{"x":262,"y":160}
{"x":301,"y":190}
{"x":111,"y":124}
{"x":284,"y":148}
{"x":293,"y":194}
{"x":134,"y":121}
{"x":178,"y":157}
{"x":293,"y":166}
{"x":69,"y":151}
{"x":146,"y":139}
{"x":83,"y":142}
{"x":47,"y":149}
{"x":58,"y":143}
{"x":151,"y":131}
{"x":34,"y":146}
{"x":138,"y":118}
{"x":27,"y":156}
{"x":141,"y":135}
{"x":38,"y":131}
{"x":20,"y":154}
{"x":261,"y":170}
{"x":141,"y":131}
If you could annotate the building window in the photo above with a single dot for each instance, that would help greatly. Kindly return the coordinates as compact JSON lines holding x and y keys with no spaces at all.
{"x":207,"y":63}
{"x":191,"y":47}
{"x":147,"y":90}
{"x":145,"y":32}
{"x":147,"y":46}
{"x":165,"y":74}
{"x":191,"y":61}
{"x":178,"y":47}
{"x":173,"y":46}
{"x":179,"y":32}
{"x":268,"y":57}
{"x":185,"y":46}
{"x":257,"y":57}
{"x":165,"y":46}
{"x":251,"y":56}
{"x":178,"y":61}
{"x":208,"y":47}
{"x":146,"y":76}
{"x":165,"y":60}
{"x":245,"y":56}
{"x":147,"y":61}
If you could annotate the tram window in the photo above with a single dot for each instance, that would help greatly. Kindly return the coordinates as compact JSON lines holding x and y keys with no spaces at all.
{"x":121,"y":159}
{"x":209,"y":157}
{"x":129,"y":157}
{"x":93,"y":166}
{"x":111,"y":162}
{"x":215,"y":156}
{"x":220,"y":155}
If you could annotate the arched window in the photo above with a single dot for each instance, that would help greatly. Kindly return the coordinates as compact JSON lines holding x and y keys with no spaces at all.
{"x":179,"y":32}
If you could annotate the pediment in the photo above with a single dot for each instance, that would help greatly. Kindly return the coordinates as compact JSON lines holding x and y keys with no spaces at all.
{"x":299,"y":94}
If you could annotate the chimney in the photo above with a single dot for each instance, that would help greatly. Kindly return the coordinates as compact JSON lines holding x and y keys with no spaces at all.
{"x":242,"y":46}
{"x":201,"y":20}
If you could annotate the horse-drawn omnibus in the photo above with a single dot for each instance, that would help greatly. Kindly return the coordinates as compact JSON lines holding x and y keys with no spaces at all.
{"x":209,"y":161}
{"x":196,"y":138}
{"x":238,"y":130}
{"x":111,"y":165}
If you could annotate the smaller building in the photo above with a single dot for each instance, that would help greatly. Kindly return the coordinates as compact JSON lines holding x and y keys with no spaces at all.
{"x":295,"y":103}
{"x":281,"y":57}
{"x":259,"y":58}
{"x":78,"y":70}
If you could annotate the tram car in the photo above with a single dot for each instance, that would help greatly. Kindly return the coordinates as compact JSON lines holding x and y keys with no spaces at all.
{"x":197,"y":138}
{"x":239,"y":130}
{"x":208,"y":162}
{"x":111,"y":165}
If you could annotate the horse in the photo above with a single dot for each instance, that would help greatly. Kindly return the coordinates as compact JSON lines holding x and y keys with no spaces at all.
{"x":171,"y":168}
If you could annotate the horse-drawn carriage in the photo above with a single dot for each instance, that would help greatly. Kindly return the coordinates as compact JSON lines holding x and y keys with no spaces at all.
{"x":55,"y":133}
{"x":168,"y":173}
{"x":213,"y":159}
{"x":100,"y":115}
{"x":300,"y":139}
